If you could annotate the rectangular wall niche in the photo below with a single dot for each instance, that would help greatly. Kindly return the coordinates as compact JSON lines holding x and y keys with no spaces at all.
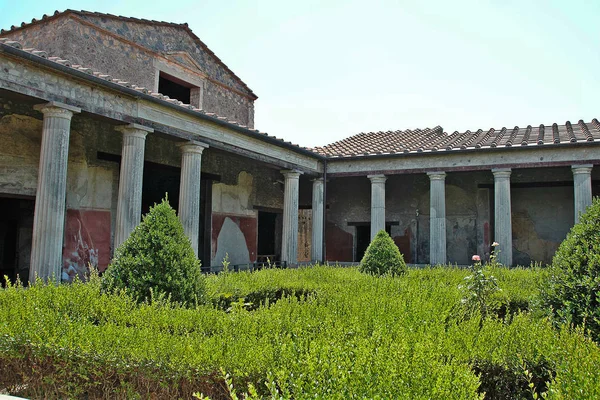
{"x":176,"y":88}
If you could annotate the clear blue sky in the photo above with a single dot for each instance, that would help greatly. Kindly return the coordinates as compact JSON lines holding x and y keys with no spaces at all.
{"x":327,"y":69}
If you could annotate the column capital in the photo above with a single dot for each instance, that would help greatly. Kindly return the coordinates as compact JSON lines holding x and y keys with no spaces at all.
{"x":582,"y":169}
{"x":437,"y":175}
{"x":134,"y":130}
{"x":317,"y":181}
{"x":500,"y":173}
{"x":192,"y":146}
{"x":56,"y":109}
{"x":291,"y":173}
{"x":379,"y":178}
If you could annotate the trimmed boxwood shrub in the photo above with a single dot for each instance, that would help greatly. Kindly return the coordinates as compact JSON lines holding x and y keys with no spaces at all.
{"x":157,"y":260}
{"x":572,"y":289}
{"x":383,"y":257}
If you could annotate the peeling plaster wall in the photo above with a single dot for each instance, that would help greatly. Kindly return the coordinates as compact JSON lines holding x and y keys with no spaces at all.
{"x":91,"y":184}
{"x":542,"y":214}
{"x":244,"y":186}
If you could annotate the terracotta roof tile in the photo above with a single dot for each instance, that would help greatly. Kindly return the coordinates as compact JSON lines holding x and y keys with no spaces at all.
{"x":424,"y":140}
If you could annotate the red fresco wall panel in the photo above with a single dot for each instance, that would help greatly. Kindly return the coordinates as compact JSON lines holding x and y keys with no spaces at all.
{"x":248,"y":226}
{"x":87,"y":242}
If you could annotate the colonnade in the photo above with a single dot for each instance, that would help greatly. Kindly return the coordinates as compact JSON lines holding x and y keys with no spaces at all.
{"x":48,"y":229}
{"x":582,"y":183}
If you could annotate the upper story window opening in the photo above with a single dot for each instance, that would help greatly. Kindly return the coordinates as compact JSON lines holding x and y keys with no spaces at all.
{"x":175,"y":88}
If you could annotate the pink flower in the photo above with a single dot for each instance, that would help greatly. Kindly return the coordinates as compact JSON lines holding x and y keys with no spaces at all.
{"x":476,"y":258}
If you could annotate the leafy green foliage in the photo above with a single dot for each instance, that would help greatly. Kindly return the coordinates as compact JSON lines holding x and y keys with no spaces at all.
{"x":572,"y":288}
{"x":357,"y":336}
{"x":383,"y":257}
{"x":157,"y":261}
{"x":478,"y":289}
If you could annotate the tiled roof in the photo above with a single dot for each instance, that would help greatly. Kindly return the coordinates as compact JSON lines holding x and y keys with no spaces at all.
{"x":183,"y":26}
{"x":435,"y":140}
{"x":158,"y":96}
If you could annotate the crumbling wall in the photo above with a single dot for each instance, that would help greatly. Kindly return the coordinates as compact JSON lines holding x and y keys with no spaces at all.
{"x":90,"y":182}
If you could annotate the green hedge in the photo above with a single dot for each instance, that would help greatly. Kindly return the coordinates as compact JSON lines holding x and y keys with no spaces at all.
{"x":347,"y":335}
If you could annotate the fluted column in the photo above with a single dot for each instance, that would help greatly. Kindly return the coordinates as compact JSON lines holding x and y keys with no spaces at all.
{"x":437,"y":218}
{"x":317,"y":221}
{"x":289,"y":246}
{"x":189,"y":190}
{"x":502,"y":215}
{"x":49,"y":217}
{"x":377,"y":203}
{"x":582,"y":185}
{"x":129,"y":202}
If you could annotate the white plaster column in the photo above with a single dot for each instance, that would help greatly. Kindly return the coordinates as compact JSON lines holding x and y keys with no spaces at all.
{"x":49,"y":217}
{"x":377,"y":203}
{"x":437,"y":218}
{"x":582,"y":186}
{"x":129,"y":203}
{"x":317,"y":221}
{"x":189,"y":190}
{"x":289,"y":245}
{"x":502,"y":215}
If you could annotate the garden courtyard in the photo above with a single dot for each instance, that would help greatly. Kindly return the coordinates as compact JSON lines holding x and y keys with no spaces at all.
{"x":321,"y":331}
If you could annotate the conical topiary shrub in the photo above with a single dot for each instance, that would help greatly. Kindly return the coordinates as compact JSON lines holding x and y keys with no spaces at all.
{"x":383,"y":257}
{"x":157,"y":256}
{"x":572,"y":289}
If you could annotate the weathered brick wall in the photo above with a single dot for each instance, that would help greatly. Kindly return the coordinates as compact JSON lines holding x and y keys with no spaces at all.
{"x":226,"y":102}
{"x":88,"y":46}
{"x":84,"y":45}
{"x":164,"y":39}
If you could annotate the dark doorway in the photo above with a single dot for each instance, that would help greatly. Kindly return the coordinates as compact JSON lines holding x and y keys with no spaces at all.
{"x":161,"y":180}
{"x":267,"y":235}
{"x":16,"y":230}
{"x":363,"y":238}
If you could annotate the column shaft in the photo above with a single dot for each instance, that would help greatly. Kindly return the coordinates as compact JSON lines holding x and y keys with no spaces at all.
{"x":49,"y":216}
{"x":189,"y":191}
{"x":582,"y":186}
{"x":377,"y":203}
{"x":129,"y":203}
{"x":317,"y":221}
{"x":289,"y":246}
{"x":437,"y":218}
{"x":502,"y":215}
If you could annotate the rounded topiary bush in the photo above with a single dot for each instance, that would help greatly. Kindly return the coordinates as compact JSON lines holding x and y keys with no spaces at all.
{"x":572,"y":289}
{"x":157,"y":257}
{"x":383,"y":257}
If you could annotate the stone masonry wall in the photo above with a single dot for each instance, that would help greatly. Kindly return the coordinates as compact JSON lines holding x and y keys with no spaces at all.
{"x":88,"y":46}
